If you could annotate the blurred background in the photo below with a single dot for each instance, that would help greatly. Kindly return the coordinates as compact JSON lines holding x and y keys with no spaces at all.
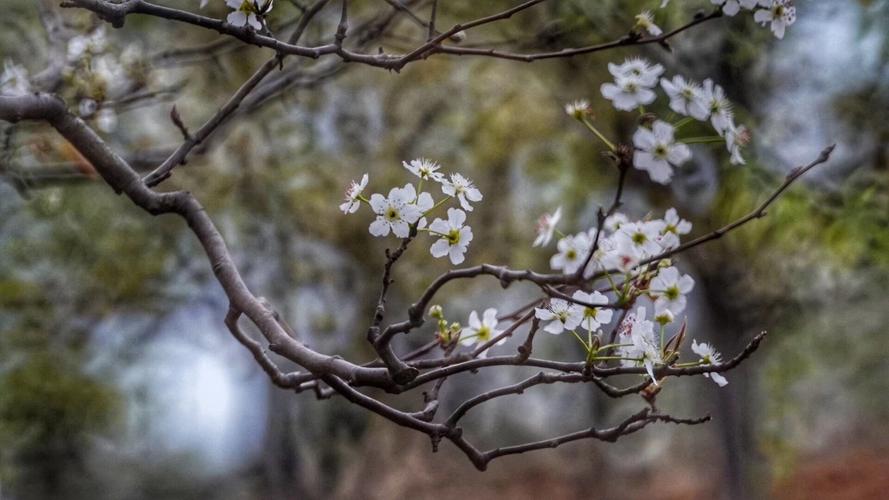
{"x":118,"y":379}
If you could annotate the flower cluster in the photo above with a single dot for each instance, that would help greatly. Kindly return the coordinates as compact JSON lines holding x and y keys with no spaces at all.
{"x":405,"y":209}
{"x":778,"y":14}
{"x":622,"y":245}
{"x":621,"y":249}
{"x":657,"y":151}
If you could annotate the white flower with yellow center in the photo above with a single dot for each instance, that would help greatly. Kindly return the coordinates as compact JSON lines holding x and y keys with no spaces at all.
{"x":709,"y":356}
{"x":353,"y":196}
{"x":657,"y":152}
{"x":669,"y":289}
{"x":454,"y":236}
{"x":248,"y":12}
{"x":463,"y":189}
{"x":482,"y":330}
{"x":561,"y":314}
{"x":397,"y":212}
{"x":779,"y":13}
{"x":572,"y":250}
{"x":593,"y":317}
{"x":685,"y":97}
{"x":425,"y":169}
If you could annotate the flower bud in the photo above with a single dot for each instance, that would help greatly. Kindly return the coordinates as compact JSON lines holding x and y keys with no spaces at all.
{"x":458,"y":37}
{"x":436,"y":312}
{"x":664,"y":317}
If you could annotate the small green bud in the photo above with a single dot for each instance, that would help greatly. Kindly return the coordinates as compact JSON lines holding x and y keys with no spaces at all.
{"x":436,"y":312}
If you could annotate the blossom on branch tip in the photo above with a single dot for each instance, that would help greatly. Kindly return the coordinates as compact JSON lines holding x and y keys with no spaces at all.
{"x":709,"y":356}
{"x":454,"y":236}
{"x":546,"y":225}
{"x":481,"y":331}
{"x":353,"y":196}
{"x":645,"y":21}
{"x":593,"y":317}
{"x":778,"y":13}
{"x":578,"y":109}
{"x":395,"y":213}
{"x":657,"y":152}
{"x":247,"y":12}
{"x":561,"y":314}
{"x":425,"y":169}
{"x":463,"y":189}
{"x":669,"y":290}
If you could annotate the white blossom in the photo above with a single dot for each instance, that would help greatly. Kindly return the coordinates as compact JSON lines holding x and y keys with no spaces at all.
{"x":425,"y":169}
{"x":546,"y":225}
{"x":628,"y":93}
{"x":732,"y":7}
{"x":619,"y":253}
{"x":14,"y":79}
{"x":644,"y":20}
{"x":463,"y":189}
{"x":657,"y":151}
{"x":641,"y":346}
{"x":735,"y":139}
{"x":561,"y":314}
{"x":397,"y":212}
{"x":673,"y":228}
{"x":481,"y":331}
{"x":669,"y":290}
{"x":353,"y":196}
{"x":245,"y":13}
{"x":642,"y":235}
{"x":633,"y":83}
{"x":646,"y":73}
{"x":614,"y":221}
{"x":719,"y":107}
{"x":454,"y":236}
{"x":779,"y":13}
{"x":709,"y":356}
{"x":685,"y":97}
{"x":572,"y":250}
{"x":593,"y":317}
{"x":578,"y":108}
